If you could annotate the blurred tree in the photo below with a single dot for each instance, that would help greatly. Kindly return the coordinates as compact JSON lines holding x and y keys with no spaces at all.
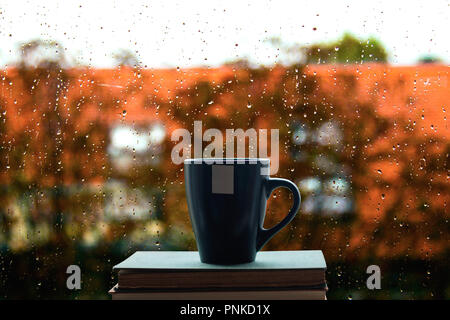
{"x":429,"y":59}
{"x":126,"y":58}
{"x":347,"y":49}
{"x":42,"y":54}
{"x":240,"y":63}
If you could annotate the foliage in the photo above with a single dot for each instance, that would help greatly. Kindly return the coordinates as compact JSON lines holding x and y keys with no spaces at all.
{"x":347,"y":49}
{"x":430,"y":59}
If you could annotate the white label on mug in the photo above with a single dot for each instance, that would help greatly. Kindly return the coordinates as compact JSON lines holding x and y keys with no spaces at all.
{"x":222,"y":179}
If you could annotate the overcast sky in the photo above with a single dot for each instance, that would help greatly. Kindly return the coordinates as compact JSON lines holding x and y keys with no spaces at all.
{"x":185,"y":33}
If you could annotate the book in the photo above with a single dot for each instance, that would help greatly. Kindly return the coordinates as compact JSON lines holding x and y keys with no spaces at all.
{"x":246,"y":294}
{"x":183,"y":269}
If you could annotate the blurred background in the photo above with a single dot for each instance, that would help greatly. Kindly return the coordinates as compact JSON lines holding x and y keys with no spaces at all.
{"x":90,"y":93}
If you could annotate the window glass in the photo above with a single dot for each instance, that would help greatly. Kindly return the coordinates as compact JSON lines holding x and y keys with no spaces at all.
{"x":353,"y":99}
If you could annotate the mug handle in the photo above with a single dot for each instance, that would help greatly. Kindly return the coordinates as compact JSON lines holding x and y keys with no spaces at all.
{"x":271,"y":184}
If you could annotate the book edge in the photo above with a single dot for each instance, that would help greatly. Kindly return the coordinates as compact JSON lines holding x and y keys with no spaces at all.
{"x":220,"y":267}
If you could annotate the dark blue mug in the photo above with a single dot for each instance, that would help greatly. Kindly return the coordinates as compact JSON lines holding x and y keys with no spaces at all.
{"x":227,"y":204}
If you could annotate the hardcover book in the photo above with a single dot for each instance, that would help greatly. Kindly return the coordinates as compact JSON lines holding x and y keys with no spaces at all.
{"x":183,"y":269}
{"x":178,"y":275}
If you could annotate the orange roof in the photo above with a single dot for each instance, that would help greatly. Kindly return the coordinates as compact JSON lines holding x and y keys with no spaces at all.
{"x":419,"y":93}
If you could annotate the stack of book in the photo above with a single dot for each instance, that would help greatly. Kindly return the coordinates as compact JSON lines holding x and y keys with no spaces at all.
{"x":179,"y":275}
